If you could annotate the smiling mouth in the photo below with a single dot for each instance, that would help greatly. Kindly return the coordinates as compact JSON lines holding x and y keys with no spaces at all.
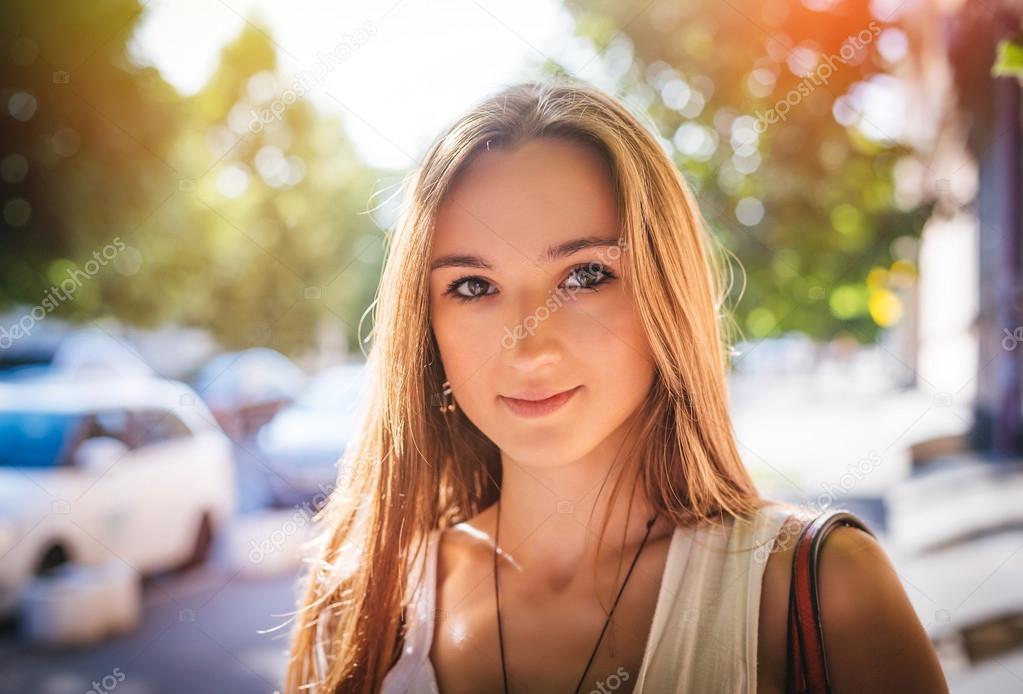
{"x":541,"y":407}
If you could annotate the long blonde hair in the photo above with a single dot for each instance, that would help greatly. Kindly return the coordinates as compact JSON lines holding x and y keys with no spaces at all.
{"x":412,"y":470}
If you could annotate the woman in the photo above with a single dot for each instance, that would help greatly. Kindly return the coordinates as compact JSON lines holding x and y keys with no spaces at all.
{"x":549,"y":371}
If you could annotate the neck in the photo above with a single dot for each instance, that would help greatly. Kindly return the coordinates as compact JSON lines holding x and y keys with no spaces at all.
{"x":551,"y":514}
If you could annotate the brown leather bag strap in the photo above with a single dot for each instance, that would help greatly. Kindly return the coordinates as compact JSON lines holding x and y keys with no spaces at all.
{"x":807,"y":665}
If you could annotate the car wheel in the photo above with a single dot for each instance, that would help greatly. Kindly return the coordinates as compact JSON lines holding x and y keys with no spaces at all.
{"x":203,"y":543}
{"x":53,"y":557}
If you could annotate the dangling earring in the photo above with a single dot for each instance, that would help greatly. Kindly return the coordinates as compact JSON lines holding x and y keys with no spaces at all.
{"x":447,"y":401}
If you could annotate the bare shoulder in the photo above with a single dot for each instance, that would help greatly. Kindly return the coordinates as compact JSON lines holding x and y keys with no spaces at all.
{"x":873,"y":638}
{"x":463,"y":550}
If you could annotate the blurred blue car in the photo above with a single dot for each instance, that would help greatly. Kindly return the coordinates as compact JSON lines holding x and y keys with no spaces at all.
{"x":301,"y":445}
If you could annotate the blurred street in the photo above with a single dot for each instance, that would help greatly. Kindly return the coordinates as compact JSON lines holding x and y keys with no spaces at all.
{"x":208,"y":618}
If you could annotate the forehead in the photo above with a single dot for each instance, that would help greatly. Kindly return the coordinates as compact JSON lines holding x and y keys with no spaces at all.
{"x":526,"y":198}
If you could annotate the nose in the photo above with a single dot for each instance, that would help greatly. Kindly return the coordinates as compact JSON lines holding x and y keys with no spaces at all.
{"x":532,"y":341}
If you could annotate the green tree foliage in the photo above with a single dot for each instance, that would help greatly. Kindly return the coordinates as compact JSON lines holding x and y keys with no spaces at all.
{"x":1010,"y":58}
{"x":805,"y":202}
{"x":246,"y":211}
{"x":255,"y":227}
{"x":84,"y":146}
{"x":282,"y":202}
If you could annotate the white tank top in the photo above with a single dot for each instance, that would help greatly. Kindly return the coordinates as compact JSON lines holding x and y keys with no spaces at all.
{"x":704,"y":632}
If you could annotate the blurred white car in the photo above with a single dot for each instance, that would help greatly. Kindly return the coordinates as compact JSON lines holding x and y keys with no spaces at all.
{"x":303,"y":442}
{"x":92,"y":470}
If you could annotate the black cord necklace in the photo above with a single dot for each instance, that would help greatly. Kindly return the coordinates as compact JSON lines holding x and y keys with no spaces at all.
{"x":497,"y":598}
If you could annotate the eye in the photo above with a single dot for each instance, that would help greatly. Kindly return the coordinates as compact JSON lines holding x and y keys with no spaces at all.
{"x":586,"y":276}
{"x":590,"y":276}
{"x":471,"y":282}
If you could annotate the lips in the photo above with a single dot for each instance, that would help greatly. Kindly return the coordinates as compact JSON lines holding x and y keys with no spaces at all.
{"x":538,"y":404}
{"x":537,"y":395}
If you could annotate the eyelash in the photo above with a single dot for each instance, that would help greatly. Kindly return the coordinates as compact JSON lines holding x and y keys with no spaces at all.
{"x":602,"y":270}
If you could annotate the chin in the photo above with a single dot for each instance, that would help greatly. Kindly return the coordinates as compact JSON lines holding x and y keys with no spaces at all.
{"x":543,"y":450}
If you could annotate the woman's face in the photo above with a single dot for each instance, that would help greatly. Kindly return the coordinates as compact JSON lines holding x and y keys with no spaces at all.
{"x":519,"y":309}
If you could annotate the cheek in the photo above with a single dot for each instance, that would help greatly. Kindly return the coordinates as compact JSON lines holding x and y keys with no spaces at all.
{"x":610,"y":340}
{"x":465,"y":346}
{"x":611,"y":322}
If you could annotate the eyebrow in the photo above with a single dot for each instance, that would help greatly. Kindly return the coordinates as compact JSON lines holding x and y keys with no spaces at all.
{"x":558,"y":250}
